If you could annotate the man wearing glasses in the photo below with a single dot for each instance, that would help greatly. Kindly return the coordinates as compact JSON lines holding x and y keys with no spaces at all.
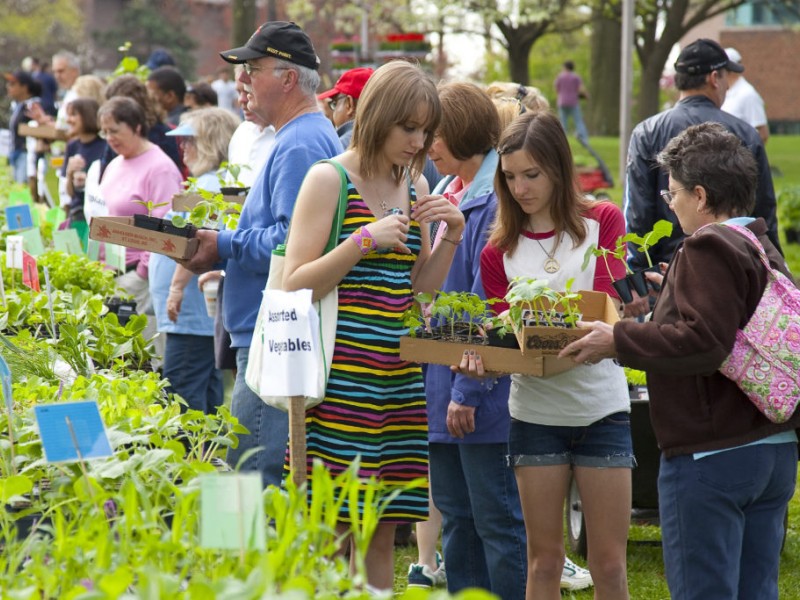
{"x":701,"y":76}
{"x":342,"y":99}
{"x":280,"y":76}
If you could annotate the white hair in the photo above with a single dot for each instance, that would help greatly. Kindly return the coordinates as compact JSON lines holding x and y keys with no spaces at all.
{"x":70,"y":57}
{"x":307,"y":79}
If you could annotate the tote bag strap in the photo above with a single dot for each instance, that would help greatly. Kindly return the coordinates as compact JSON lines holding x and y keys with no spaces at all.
{"x":752,"y":237}
{"x":338,"y":217}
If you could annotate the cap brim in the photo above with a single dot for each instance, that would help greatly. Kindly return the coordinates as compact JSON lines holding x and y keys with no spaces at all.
{"x":184,"y":130}
{"x":735,"y":67}
{"x":238,"y":56}
{"x":329,"y":94}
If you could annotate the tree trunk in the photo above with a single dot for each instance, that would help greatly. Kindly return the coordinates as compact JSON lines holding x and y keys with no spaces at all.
{"x":244,"y":21}
{"x":603,"y":106}
{"x":649,"y":90}
{"x":519,"y":51}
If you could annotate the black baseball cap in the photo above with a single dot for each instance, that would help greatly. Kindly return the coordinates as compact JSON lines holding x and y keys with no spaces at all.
{"x":704,"y":56}
{"x":278,"y":39}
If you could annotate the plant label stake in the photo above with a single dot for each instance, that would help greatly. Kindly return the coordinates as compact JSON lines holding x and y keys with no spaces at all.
{"x":81,"y":462}
{"x":49,"y":289}
{"x":2,"y":289}
{"x":13,"y":255}
{"x":5,"y":375}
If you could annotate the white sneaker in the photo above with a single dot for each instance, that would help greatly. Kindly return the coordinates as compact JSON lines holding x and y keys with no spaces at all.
{"x":422,"y":576}
{"x":574,"y":577}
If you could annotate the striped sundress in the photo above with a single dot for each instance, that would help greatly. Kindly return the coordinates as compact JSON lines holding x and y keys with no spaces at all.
{"x":374,"y":405}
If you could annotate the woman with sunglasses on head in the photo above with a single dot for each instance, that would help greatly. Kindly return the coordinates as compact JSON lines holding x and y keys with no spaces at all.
{"x":576,"y":423}
{"x":374,"y":409}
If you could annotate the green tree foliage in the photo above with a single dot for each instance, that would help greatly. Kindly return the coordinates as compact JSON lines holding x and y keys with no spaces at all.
{"x":152,"y":24}
{"x":37,"y":28}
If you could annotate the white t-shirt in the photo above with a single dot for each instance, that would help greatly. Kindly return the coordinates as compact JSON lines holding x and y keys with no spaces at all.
{"x":250,"y":145}
{"x":226,"y":95}
{"x":586,"y":393}
{"x":743,"y":101}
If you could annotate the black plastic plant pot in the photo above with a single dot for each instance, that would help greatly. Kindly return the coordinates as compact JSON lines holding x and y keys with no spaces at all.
{"x":147,"y":222}
{"x":655,"y":269}
{"x":623,"y":289}
{"x":638,"y":283}
{"x":234,"y":191}
{"x":509,"y":340}
{"x":187,"y":231}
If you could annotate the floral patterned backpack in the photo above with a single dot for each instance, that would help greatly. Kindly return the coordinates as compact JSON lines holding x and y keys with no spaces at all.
{"x":765,"y":360}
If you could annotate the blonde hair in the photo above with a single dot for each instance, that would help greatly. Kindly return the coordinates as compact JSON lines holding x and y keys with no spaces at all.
{"x":530,"y":97}
{"x":213,"y":128}
{"x":392,"y":96}
{"x":90,"y":86}
{"x":508,"y":109}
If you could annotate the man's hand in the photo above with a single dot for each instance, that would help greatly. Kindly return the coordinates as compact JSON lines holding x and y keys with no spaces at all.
{"x":460,"y":419}
{"x":206,"y":256}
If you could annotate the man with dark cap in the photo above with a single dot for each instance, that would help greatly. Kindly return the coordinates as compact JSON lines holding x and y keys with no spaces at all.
{"x":23,"y":90}
{"x":701,"y":76}
{"x":281,"y":77}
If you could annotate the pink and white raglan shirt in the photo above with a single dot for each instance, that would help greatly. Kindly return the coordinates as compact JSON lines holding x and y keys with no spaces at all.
{"x":586,"y":393}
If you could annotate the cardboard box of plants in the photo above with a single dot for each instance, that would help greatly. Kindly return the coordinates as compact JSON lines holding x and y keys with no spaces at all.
{"x":42,"y":132}
{"x":158,"y":236}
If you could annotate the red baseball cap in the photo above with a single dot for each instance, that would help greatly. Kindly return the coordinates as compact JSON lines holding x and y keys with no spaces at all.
{"x":350,"y":83}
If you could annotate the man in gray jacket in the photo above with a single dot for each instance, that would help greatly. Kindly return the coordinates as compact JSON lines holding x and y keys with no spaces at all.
{"x":701,"y":75}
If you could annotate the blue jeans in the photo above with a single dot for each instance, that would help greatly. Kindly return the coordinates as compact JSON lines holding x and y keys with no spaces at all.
{"x":483,"y":535}
{"x":269,"y":429}
{"x":564,"y":112}
{"x":18,"y":161}
{"x":189,"y":366}
{"x":722,"y":521}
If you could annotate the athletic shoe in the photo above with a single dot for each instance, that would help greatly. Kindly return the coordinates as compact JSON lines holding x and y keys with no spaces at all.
{"x":422,"y":576}
{"x":574,"y":577}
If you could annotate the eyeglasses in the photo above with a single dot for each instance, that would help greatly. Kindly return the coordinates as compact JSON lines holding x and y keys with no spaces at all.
{"x":333,"y":102}
{"x":668,"y":196}
{"x":250,"y":69}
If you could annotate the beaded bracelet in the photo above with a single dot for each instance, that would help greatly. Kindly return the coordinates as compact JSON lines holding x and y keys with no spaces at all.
{"x":364,"y":240}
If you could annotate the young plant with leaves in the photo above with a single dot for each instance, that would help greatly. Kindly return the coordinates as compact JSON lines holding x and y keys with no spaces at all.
{"x":530,"y":298}
{"x":661,"y":229}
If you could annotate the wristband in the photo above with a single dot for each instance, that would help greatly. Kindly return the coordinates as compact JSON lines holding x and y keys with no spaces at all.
{"x":364,"y":240}
{"x":454,"y":242}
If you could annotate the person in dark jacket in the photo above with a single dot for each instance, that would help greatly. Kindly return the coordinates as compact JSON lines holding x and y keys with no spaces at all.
{"x":727,"y":472}
{"x":702,"y":78}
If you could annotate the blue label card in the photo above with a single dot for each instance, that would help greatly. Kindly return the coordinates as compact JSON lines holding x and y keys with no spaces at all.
{"x":67,"y":240}
{"x":18,"y":217}
{"x":70,"y":427}
{"x":232,"y":511}
{"x":5,"y":378}
{"x":32,"y":241}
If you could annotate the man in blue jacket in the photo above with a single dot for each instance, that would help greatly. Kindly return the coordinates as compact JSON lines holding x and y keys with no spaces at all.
{"x":701,"y":76}
{"x":281,"y":78}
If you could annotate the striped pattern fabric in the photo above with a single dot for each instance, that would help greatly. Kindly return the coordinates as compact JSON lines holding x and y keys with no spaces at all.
{"x":374,"y":408}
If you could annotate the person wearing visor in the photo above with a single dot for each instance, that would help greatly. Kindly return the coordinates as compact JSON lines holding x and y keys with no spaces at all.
{"x":342,"y":99}
{"x":701,"y":76}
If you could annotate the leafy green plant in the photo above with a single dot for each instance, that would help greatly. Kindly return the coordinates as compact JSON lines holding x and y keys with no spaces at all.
{"x":129,"y":65}
{"x":567,"y":302}
{"x":635,"y":377}
{"x":661,"y":229}
{"x":530,"y":298}
{"x":619,"y":252}
{"x":150,"y":205}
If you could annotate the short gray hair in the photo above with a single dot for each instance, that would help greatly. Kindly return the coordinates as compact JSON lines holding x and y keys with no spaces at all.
{"x":71,"y":58}
{"x":307,"y":79}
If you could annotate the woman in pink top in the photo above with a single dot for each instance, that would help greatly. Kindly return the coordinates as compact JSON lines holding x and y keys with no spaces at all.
{"x":140,"y":173}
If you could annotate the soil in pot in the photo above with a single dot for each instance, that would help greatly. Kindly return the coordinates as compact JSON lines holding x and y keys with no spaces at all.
{"x":234,"y":191}
{"x":509,"y":340}
{"x":187,"y":231}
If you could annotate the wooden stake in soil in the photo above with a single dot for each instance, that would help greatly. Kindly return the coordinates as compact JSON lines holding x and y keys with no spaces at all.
{"x":297,"y":439}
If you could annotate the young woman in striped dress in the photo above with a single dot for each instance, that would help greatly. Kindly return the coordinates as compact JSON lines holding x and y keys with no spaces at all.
{"x":374,"y":409}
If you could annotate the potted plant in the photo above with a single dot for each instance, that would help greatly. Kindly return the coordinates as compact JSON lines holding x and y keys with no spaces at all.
{"x":148,"y":221}
{"x":789,"y":213}
{"x":661,"y":229}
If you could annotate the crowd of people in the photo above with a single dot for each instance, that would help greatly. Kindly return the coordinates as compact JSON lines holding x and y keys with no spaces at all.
{"x":457,"y":187}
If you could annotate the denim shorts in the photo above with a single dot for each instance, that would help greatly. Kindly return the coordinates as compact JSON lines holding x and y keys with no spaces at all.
{"x":604,"y":443}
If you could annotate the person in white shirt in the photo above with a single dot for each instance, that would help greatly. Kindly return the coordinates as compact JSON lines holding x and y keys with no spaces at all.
{"x":226,"y":90}
{"x":743,"y":101}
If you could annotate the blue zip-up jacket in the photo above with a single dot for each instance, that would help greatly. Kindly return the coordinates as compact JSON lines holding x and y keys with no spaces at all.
{"x":265,"y":218}
{"x":441,"y":385}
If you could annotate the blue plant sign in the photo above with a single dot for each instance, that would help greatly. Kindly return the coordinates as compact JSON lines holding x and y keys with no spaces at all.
{"x":19,"y":217}
{"x":72,"y":431}
{"x":5,"y":376}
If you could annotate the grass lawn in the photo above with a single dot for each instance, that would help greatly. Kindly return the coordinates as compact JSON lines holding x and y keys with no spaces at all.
{"x":645,"y":568}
